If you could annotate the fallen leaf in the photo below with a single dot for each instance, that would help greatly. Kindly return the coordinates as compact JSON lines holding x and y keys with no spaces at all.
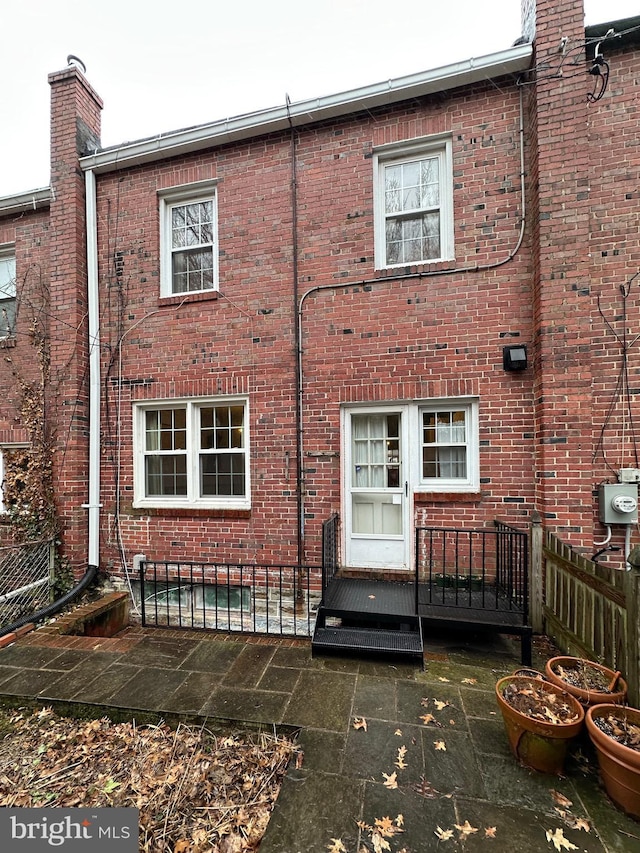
{"x":560,"y":799}
{"x":336,"y":846}
{"x":379,"y":843}
{"x":559,"y":841}
{"x":359,"y":723}
{"x":425,"y":789}
{"x":465,"y":829}
{"x":400,"y":820}
{"x":372,"y":596}
{"x":440,"y":745}
{"x":469,"y":680}
{"x":181,"y":846}
{"x":398,"y":732}
{"x":442,"y":678}
{"x":428,"y":718}
{"x":386,"y":827}
{"x":391,"y":781}
{"x":443,"y":834}
{"x":440,"y":705}
{"x":400,"y":762}
{"x":490,"y":831}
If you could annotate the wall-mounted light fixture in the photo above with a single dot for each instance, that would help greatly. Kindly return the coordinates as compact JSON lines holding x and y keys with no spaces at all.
{"x":514,"y":357}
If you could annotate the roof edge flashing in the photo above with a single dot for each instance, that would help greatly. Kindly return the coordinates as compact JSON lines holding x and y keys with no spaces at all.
{"x":176,"y":143}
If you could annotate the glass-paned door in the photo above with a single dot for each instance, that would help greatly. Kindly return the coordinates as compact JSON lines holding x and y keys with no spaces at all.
{"x":376,"y":489}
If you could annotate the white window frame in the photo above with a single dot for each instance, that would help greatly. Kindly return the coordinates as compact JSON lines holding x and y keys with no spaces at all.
{"x":7,"y":255}
{"x":179,"y":196}
{"x":470,"y":483}
{"x":433,"y":147}
{"x":192,"y":500}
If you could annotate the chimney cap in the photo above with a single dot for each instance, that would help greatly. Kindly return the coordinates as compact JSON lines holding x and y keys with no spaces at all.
{"x":75,"y":61}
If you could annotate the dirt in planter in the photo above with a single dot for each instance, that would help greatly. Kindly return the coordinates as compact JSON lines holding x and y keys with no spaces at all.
{"x":584,"y":676}
{"x":620,"y":730}
{"x":529,"y":698}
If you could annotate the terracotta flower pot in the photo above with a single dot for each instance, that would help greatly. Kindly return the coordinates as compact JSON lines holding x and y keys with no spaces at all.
{"x":616,"y":693}
{"x":541,"y":745}
{"x":619,"y":764}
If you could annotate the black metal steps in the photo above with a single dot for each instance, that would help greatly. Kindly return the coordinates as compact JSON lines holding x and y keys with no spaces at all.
{"x":368,"y":618}
{"x":368,"y":641}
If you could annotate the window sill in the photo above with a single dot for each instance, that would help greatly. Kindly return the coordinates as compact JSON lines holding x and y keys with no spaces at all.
{"x":447,"y":497}
{"x":191,"y":296}
{"x":416,"y":269}
{"x":186,"y":512}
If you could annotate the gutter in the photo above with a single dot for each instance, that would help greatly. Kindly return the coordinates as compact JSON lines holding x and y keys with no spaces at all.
{"x":30,"y":200}
{"x":177,"y":143}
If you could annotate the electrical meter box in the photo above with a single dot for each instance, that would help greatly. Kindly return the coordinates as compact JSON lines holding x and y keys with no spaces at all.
{"x":618,"y":503}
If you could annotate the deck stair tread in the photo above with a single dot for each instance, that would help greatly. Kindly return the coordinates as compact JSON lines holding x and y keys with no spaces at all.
{"x":367,"y":640}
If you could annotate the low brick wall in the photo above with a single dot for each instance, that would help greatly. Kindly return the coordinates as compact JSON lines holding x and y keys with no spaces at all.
{"x":102,"y":618}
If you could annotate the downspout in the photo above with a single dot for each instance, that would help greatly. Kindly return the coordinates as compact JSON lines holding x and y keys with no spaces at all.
{"x":300,"y":483}
{"x":93,"y":505}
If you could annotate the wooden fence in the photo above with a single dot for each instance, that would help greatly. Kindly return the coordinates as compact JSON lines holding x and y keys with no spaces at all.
{"x":592,"y":610}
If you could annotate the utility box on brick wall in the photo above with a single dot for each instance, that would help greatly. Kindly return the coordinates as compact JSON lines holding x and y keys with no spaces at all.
{"x":618,"y":503}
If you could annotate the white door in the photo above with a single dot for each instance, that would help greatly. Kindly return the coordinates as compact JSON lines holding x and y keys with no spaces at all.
{"x":376,"y":489}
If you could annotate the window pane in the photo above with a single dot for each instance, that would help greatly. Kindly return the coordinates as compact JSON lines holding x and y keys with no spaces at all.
{"x":165,"y":476}
{"x":444,"y":440}
{"x":222,"y":474}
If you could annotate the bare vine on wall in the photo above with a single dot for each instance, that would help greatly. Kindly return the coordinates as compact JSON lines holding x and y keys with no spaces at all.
{"x":28,"y":471}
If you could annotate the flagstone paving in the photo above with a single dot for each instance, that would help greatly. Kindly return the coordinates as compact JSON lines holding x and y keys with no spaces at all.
{"x":419,"y":755}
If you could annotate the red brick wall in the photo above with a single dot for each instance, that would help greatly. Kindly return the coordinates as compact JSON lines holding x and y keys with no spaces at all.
{"x":393,"y":339}
{"x":588,"y":174}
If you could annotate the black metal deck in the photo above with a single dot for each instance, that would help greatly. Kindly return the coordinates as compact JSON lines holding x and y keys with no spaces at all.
{"x":371,"y":597}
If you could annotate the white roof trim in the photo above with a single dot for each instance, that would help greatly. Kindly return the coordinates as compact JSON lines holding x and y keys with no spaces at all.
{"x":33,"y":199}
{"x":176,"y":143}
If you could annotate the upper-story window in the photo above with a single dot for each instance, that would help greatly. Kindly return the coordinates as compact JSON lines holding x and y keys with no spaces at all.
{"x":414,"y":209}
{"x":7,"y":293}
{"x":189,"y":239}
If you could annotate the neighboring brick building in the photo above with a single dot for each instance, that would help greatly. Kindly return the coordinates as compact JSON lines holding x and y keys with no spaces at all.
{"x":305,"y":311}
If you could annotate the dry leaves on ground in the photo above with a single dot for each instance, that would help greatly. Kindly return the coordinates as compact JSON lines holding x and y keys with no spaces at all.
{"x":196,"y":792}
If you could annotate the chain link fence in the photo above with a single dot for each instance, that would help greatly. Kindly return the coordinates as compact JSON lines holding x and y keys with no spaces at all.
{"x":26,"y":577}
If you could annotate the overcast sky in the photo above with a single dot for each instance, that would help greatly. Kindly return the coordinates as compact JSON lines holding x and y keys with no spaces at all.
{"x":161,"y":65}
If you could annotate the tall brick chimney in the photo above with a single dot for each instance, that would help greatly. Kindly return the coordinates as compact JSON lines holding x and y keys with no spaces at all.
{"x":75,"y":130}
{"x":562,"y":301}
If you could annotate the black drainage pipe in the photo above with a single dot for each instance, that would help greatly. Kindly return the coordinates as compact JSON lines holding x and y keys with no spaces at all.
{"x":55,"y":606}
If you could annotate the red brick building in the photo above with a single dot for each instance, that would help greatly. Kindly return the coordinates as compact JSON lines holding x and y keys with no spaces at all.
{"x":324,"y":308}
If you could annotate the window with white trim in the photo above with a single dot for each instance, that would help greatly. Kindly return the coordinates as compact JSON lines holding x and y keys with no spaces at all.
{"x":449,"y":446}
{"x":192,"y":453}
{"x":414,"y":204}
{"x":7,"y":293}
{"x":189,"y":239}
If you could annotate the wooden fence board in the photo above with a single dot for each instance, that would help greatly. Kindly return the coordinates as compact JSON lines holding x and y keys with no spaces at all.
{"x":593,"y":610}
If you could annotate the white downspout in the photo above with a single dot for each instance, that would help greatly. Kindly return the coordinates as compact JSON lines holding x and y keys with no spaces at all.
{"x":93,"y":505}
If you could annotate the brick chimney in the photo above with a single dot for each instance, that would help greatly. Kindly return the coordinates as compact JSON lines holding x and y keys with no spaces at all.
{"x":75,"y":130}
{"x":559,"y":181}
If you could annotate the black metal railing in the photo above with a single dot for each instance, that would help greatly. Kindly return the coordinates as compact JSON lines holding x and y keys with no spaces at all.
{"x":483,"y":569}
{"x":330,"y":564}
{"x":237,"y":597}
